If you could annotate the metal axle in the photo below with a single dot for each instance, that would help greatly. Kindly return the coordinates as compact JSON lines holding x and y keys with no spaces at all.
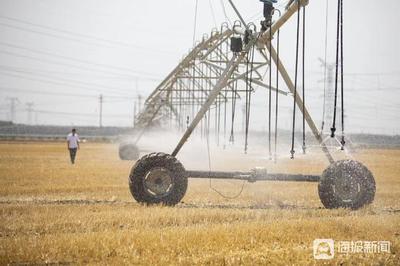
{"x":257,"y":174}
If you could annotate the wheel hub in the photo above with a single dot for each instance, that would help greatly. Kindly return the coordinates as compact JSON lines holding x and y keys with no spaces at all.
{"x":347,"y":188}
{"x":158,"y":182}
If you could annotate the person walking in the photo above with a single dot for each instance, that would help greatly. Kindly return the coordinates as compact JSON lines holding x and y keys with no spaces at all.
{"x":73,"y":144}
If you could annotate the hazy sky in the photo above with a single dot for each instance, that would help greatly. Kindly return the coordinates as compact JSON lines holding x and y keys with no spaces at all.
{"x":61,"y":55}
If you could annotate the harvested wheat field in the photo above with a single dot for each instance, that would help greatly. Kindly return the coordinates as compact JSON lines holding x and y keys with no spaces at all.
{"x":53,"y":212}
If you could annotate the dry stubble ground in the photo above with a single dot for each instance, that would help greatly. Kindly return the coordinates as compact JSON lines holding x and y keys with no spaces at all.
{"x":52,"y":212}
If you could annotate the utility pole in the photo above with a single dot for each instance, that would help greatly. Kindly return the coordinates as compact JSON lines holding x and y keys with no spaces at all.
{"x":13,"y":103}
{"x":101,"y":111}
{"x":29,"y":109}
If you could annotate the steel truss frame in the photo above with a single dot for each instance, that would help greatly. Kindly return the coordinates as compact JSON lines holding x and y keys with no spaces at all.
{"x":205,"y":78}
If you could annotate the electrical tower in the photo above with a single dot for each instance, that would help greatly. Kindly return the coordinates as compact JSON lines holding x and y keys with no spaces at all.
{"x":29,"y":109}
{"x":13,"y":111}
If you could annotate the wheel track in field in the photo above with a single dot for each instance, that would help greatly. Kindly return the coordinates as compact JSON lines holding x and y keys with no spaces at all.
{"x":61,"y":201}
{"x":282,"y":206}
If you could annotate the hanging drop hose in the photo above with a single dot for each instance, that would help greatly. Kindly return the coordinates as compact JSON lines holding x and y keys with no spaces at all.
{"x":208,"y":86}
{"x":248,"y":93}
{"x":224,"y":119}
{"x":304,"y":86}
{"x":343,"y":142}
{"x":209,"y":169}
{"x":292,"y":151}
{"x":247,"y":102}
{"x":226,"y":100}
{"x":270,"y":93}
{"x":200,"y":96}
{"x":225,"y":107}
{"x":234,"y":93}
{"x":277,"y":95}
{"x":207,"y":136}
{"x":219,"y":120}
{"x":333,"y":128}
{"x":194,"y":41}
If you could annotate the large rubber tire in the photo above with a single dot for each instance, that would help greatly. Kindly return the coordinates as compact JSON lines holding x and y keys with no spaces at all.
{"x":128,"y":152}
{"x":346,"y":184}
{"x":171,"y":169}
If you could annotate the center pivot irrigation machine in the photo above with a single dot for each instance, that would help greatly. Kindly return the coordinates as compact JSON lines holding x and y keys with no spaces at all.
{"x":207,"y":80}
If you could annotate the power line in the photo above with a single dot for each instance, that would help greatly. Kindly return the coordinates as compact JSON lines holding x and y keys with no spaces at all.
{"x":49,"y":34}
{"x":11,"y":69}
{"x":70,"y":59}
{"x":121,"y":77}
{"x":53,"y":82}
{"x":69,"y":32}
{"x":88,"y":85}
{"x":58,"y":63}
{"x":79,"y":35}
{"x":63,"y":94}
{"x":80,"y":114}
